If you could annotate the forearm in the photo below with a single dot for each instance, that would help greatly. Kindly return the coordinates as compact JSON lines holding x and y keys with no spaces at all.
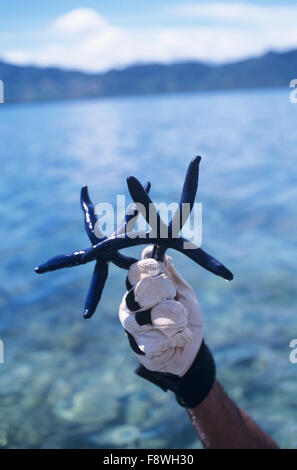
{"x":220,"y":424}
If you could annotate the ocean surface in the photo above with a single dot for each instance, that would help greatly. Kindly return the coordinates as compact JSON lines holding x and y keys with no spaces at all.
{"x":69,"y":383}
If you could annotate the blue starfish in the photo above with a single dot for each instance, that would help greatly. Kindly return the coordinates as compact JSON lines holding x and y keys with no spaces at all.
{"x":107,"y":249}
{"x":101,"y":267}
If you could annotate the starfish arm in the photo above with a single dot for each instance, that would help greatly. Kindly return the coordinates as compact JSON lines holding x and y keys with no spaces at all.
{"x":96,"y":288}
{"x":147,"y":187}
{"x":146,"y":207}
{"x":202,"y":258}
{"x":145,"y":238}
{"x":118,"y":259}
{"x":131,"y":214}
{"x":111,"y":245}
{"x":101,"y":268}
{"x":90,"y":218}
{"x":61,"y":261}
{"x":188,"y":195}
{"x":185,"y":205}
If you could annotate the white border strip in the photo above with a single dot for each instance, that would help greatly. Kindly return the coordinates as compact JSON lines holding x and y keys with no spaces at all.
{"x":1,"y":352}
{"x":1,"y":92}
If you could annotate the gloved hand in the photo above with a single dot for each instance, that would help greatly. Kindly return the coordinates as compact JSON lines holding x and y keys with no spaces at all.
{"x":162,"y":318}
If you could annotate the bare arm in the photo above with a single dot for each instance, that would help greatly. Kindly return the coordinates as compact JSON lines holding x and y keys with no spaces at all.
{"x":173,"y":355}
{"x":220,"y":424}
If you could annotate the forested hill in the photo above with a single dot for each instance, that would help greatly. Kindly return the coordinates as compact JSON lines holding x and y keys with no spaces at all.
{"x":28,"y":83}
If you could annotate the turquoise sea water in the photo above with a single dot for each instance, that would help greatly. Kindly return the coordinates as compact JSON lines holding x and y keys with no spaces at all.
{"x":67,"y":382}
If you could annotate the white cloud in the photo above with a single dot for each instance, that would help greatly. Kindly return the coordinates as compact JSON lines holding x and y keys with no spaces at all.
{"x":79,"y":21}
{"x":247,"y":13}
{"x":84,"y":39}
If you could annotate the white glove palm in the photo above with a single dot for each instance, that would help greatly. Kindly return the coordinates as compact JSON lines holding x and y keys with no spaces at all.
{"x":172,"y":340}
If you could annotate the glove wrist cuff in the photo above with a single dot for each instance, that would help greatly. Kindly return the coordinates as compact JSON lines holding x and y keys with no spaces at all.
{"x":197,"y":382}
{"x":191,"y":389}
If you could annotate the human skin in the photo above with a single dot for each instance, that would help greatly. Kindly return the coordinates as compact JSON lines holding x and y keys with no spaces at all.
{"x":220,"y":424}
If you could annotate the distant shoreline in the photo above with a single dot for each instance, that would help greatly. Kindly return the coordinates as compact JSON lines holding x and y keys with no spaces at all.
{"x":27,"y":84}
{"x":140,"y":96}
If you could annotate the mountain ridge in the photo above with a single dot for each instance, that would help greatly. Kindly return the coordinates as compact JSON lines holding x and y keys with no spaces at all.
{"x":32,"y":83}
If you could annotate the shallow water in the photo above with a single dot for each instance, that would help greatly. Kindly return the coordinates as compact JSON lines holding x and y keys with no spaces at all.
{"x":67,"y":382}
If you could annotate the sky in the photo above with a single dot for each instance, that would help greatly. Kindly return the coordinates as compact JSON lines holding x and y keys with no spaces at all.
{"x":96,"y":35}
